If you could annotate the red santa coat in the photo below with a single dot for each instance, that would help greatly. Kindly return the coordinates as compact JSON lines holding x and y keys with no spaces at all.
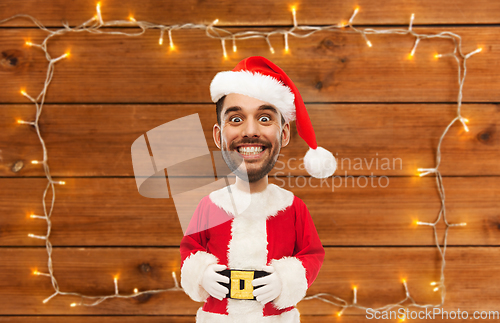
{"x":248,"y":231}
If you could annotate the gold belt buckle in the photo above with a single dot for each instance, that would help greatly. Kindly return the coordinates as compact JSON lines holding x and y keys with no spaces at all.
{"x":241,"y":284}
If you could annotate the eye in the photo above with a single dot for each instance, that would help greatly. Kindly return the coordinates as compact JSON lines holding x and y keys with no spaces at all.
{"x":264,"y":119}
{"x":235,"y":119}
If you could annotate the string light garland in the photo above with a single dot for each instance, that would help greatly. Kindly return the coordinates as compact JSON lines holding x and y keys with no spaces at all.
{"x":94,"y":25}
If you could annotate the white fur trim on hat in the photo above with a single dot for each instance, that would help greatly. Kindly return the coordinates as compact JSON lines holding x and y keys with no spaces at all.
{"x":192,"y":272}
{"x":320,"y":163}
{"x":293,"y":281}
{"x":255,"y":85}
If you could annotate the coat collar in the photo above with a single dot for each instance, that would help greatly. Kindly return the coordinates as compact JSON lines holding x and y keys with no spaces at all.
{"x":262,"y":204}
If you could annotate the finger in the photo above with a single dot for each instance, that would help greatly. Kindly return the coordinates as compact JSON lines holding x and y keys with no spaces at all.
{"x":262,"y":290}
{"x":218,"y":296}
{"x":262,"y":281}
{"x":220,"y":289}
{"x":269,"y":269}
{"x":266,"y":298}
{"x":221,"y":278}
{"x":218,"y":267}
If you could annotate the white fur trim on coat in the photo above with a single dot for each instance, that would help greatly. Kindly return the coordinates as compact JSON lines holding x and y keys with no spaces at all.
{"x":263,"y":87}
{"x":192,"y":273}
{"x":293,"y":281}
{"x":292,"y":316}
{"x":263,"y":204}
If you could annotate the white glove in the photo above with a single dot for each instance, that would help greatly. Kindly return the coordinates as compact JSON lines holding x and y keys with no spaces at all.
{"x":211,"y":279}
{"x":271,"y":289}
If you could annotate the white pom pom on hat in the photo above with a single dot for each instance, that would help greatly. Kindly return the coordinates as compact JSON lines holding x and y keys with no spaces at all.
{"x":260,"y":78}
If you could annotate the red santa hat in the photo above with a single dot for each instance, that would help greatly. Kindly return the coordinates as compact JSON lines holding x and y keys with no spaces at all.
{"x":261,"y":79}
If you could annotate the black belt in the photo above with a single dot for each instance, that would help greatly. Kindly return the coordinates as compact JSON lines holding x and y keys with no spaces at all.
{"x":240,"y":282}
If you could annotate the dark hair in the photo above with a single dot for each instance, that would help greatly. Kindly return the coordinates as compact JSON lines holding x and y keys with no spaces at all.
{"x":218,"y":109}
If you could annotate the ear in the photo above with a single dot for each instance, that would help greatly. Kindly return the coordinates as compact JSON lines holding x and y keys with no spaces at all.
{"x":216,"y":134}
{"x":285,"y":135}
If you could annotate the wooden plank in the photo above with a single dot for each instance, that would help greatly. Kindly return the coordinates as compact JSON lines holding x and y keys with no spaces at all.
{"x":326,"y":67}
{"x":185,"y":319}
{"x":276,"y":13}
{"x":378,"y":139}
{"x":110,"y":212}
{"x":377,"y":272}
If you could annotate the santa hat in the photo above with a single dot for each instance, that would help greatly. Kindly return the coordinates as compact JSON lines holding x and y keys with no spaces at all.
{"x":261,"y":79}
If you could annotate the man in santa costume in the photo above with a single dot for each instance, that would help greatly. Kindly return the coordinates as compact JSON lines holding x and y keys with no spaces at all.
{"x":251,"y":249}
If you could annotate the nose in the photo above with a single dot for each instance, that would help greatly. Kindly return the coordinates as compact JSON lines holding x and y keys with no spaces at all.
{"x":251,"y":128}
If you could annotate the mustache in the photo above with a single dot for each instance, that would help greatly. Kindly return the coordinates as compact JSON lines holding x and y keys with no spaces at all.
{"x":264,"y":143}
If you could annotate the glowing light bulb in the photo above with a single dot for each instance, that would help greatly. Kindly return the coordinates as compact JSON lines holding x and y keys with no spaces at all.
{"x":161,"y":41}
{"x":61,"y":182}
{"x":433,"y":284}
{"x":73,"y":304}
{"x":215,"y":21}
{"x":436,"y":56}
{"x":272,"y":50}
{"x":369,"y":43}
{"x":339,"y":314}
{"x":356,"y":10}
{"x":35,"y":162}
{"x":436,"y":289}
{"x":136,"y":291}
{"x":67,"y":54}
{"x":463,"y":224}
{"x":234,"y":48}
{"x":23,"y":92}
{"x":132,"y":19}
{"x":172,"y":47}
{"x":36,"y":272}
{"x":403,"y":280}
{"x":28,"y":43}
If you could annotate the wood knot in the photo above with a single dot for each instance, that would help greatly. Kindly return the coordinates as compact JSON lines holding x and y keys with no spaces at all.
{"x":11,"y":59}
{"x":486,"y":136}
{"x":319,"y":85}
{"x":145,"y":268}
{"x":328,"y":44}
{"x":18,"y":165}
{"x":143,"y":298}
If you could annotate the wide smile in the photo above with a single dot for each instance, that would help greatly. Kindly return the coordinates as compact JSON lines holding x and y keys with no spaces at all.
{"x":251,"y":151}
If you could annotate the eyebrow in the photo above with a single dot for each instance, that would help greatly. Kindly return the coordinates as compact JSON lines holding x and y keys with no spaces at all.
{"x":231,"y":109}
{"x":262,"y":107}
{"x":268,"y":107}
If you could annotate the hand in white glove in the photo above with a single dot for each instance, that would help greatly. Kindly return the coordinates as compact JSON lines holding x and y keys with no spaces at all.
{"x":271,"y":286}
{"x":211,"y":279}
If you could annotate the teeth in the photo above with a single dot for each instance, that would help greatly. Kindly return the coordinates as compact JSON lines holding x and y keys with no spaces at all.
{"x":252,"y":150}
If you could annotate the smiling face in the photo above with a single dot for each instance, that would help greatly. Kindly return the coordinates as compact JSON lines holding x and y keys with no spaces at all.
{"x":251,"y":131}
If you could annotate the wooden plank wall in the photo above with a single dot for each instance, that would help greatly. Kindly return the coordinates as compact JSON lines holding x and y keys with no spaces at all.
{"x":370,"y":104}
